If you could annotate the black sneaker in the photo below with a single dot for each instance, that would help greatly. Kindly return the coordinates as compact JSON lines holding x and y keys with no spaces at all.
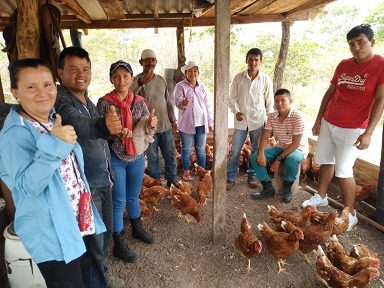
{"x":230,"y":184}
{"x":174,"y":182}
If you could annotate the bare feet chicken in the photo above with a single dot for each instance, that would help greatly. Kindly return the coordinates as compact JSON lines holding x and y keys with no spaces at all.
{"x":186,"y":204}
{"x":204,"y":188}
{"x":247,"y":242}
{"x":280,"y":244}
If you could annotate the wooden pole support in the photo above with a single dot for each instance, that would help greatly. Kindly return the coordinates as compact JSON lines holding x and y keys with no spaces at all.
{"x":338,"y":205}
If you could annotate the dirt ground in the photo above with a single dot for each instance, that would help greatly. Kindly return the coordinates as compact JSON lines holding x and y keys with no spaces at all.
{"x":184,"y":255}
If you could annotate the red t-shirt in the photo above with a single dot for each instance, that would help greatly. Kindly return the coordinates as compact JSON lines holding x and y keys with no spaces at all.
{"x":356,"y":83}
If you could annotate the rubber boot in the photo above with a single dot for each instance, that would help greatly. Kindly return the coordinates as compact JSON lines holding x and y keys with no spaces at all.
{"x":138,"y":231}
{"x":121,"y":249}
{"x":267,"y":192}
{"x":287,"y":191}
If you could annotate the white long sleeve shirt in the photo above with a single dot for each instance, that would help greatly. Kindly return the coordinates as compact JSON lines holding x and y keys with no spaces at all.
{"x":252,"y":98}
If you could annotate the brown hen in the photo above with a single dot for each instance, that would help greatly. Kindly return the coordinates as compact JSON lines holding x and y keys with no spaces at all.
{"x":247,"y":242}
{"x":341,"y":222}
{"x":363,"y":192}
{"x":200,"y":171}
{"x":148,"y":181}
{"x":144,"y":210}
{"x":360,"y":250}
{"x":348,"y":264}
{"x":280,"y":244}
{"x":331,"y":276}
{"x":153,"y":195}
{"x":204,"y":188}
{"x":300,"y":220}
{"x":185,"y":204}
{"x":316,"y":234}
{"x":185,"y":187}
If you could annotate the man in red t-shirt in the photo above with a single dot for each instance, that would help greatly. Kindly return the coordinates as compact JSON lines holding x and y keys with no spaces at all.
{"x":348,"y":114}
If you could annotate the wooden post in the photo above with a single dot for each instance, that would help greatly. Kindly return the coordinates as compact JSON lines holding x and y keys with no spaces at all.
{"x":2,"y":97}
{"x":380,"y":188}
{"x":180,"y":53}
{"x":221,"y":80}
{"x":28,"y":29}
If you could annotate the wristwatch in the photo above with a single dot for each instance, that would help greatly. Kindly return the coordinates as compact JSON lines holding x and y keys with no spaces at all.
{"x":279,"y":158}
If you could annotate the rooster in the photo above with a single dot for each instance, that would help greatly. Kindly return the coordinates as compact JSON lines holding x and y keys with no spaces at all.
{"x":280,"y":244}
{"x":331,"y":276}
{"x":205,"y":188}
{"x":348,"y":264}
{"x":247,"y":242}
{"x":185,"y":204}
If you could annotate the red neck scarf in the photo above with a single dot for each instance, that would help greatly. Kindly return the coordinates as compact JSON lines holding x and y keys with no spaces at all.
{"x":126,"y":116}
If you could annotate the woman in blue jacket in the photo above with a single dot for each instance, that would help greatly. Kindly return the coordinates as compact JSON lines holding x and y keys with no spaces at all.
{"x":42,"y":165}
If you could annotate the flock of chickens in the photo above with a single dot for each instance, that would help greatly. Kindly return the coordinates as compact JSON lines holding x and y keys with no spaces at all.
{"x":181,"y":196}
{"x":307,"y":231}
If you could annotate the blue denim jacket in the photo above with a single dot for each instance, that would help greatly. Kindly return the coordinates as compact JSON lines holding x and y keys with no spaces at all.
{"x":91,"y":131}
{"x":29,"y":166}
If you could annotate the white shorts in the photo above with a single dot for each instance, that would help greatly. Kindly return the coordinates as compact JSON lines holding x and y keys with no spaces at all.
{"x":335,"y":146}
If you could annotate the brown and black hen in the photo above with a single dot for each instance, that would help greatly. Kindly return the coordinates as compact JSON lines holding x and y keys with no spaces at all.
{"x":247,"y":242}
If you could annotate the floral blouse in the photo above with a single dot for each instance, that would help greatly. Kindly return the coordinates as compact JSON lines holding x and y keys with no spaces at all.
{"x":74,"y":184}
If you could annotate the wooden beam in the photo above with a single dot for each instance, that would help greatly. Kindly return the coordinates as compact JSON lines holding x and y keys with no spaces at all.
{"x":76,"y":9}
{"x":156,"y":13}
{"x":112,"y":9}
{"x":28,"y":29}
{"x":178,"y":22}
{"x":221,"y":81}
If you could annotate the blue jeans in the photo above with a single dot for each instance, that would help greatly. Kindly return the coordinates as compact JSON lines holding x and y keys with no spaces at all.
{"x":187,"y":141}
{"x":291,"y":163}
{"x":92,"y":261}
{"x":166,"y":142}
{"x":128,"y":180}
{"x":238,"y":139}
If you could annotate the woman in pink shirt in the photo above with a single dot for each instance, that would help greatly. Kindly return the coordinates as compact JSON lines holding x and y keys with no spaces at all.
{"x":195,"y":117}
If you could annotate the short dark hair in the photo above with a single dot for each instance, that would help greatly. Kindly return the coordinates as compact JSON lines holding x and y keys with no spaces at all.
{"x":283,"y":91}
{"x":19,"y":65}
{"x":361,"y":29}
{"x":72,"y":51}
{"x":254,"y":51}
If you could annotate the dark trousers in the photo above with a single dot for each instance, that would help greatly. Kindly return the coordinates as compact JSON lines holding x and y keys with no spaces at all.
{"x":92,"y":261}
{"x":58,"y":274}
